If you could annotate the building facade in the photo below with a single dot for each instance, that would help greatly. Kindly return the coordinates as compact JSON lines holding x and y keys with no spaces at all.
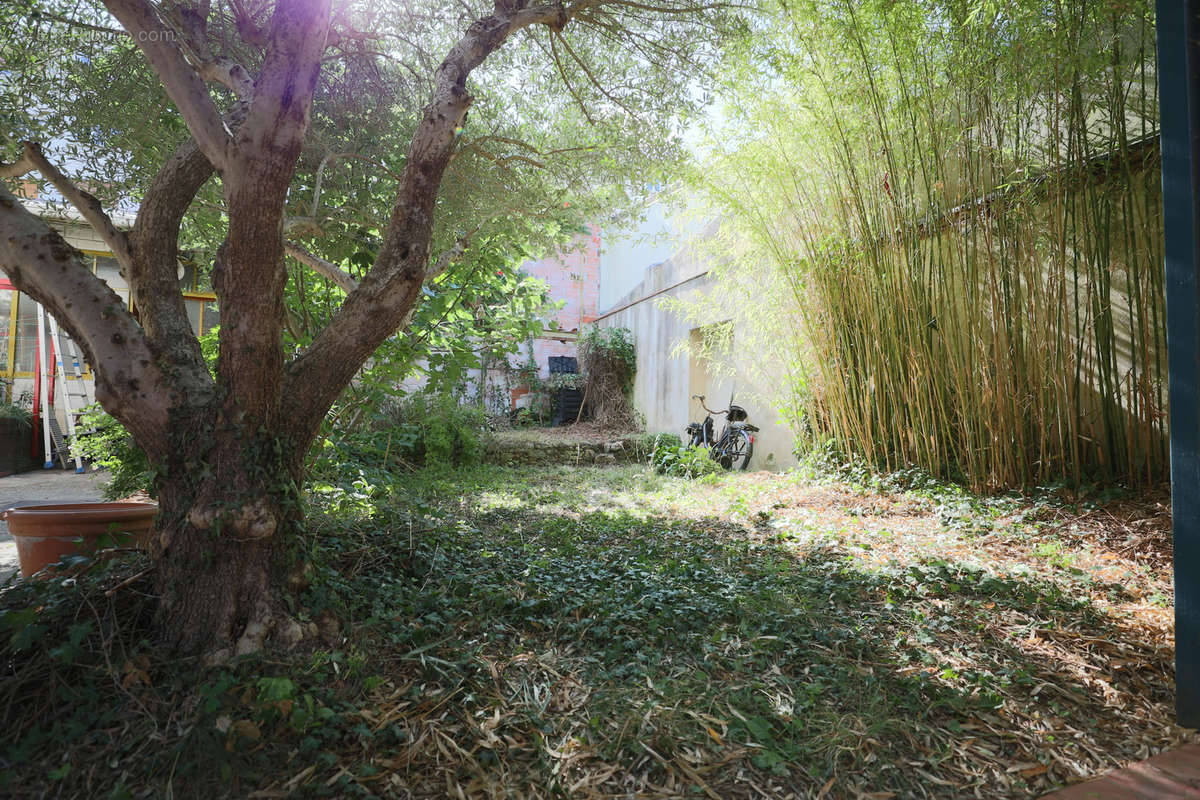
{"x":20,"y":349}
{"x":573,"y":276}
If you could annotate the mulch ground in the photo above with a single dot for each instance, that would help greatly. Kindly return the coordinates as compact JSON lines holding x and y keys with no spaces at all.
{"x":611,"y":633}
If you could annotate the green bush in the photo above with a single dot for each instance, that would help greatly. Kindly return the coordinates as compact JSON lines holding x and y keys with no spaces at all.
{"x":643,"y":445}
{"x":442,"y":432}
{"x":14,"y":411}
{"x":524,"y":418}
{"x":104,"y":442}
{"x":660,"y":442}
{"x":671,"y":457}
{"x":564,"y":380}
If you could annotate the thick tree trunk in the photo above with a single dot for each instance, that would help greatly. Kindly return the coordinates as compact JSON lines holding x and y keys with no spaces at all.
{"x":229,"y":499}
{"x":229,"y":505}
{"x":232,"y":449}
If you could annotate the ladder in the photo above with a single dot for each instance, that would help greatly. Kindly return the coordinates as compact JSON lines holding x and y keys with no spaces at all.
{"x":47,"y":414}
{"x":73,"y":392}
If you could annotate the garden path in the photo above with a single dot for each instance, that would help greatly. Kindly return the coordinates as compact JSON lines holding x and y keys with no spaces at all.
{"x":1173,"y":775}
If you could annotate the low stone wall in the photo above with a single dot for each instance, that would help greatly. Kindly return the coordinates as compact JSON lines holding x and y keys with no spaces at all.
{"x":520,"y":452}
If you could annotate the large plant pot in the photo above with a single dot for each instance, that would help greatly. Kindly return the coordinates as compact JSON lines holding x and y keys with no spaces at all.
{"x":44,"y":534}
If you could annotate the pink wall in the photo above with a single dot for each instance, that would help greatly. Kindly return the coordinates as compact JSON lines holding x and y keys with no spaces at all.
{"x":574,"y":278}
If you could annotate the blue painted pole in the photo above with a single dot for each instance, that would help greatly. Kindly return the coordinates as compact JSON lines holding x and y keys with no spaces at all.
{"x":1178,"y":24}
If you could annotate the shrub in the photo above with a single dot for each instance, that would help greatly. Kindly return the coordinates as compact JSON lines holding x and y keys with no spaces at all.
{"x":442,"y":431}
{"x":609,"y":362}
{"x":660,"y":441}
{"x":564,"y":380}
{"x":19,"y":413}
{"x":643,"y":445}
{"x":671,"y":457}
{"x":103,"y":441}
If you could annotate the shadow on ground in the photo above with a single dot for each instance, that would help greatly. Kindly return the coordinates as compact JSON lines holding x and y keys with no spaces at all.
{"x":516,"y":649}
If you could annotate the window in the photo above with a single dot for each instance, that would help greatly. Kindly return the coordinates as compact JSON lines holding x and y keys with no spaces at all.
{"x":6,"y":339}
{"x":202,"y":311}
{"x":26,"y":336}
{"x":195,"y":311}
{"x":26,"y":359}
{"x":212,"y":317}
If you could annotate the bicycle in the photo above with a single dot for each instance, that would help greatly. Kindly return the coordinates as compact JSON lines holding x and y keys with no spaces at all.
{"x":736,"y":442}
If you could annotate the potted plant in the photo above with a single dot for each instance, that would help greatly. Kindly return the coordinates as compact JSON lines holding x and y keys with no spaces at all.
{"x":16,"y":429}
{"x":46,"y":533}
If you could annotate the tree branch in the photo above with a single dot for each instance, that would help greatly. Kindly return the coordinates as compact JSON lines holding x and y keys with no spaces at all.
{"x":230,"y":74}
{"x":247,"y":27}
{"x":249,"y":275}
{"x":283,"y":90}
{"x":129,"y":383}
{"x":502,"y":161}
{"x":154,"y":244}
{"x":182,"y":83}
{"x":74,"y":23}
{"x":322,"y":267}
{"x":86,"y":204}
{"x":562,"y":73}
{"x":385,"y":299}
{"x":448,"y":258}
{"x":588,"y":72}
{"x":219,"y":70}
{"x":22,"y":166}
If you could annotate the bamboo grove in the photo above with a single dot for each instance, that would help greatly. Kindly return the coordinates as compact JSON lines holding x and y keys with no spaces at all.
{"x":963,"y":198}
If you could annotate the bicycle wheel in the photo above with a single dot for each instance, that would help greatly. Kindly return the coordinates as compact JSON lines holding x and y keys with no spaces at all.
{"x":736,"y":451}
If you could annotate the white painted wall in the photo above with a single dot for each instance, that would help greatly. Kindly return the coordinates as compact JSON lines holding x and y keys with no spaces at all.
{"x":667,"y":374}
{"x":665,"y":226}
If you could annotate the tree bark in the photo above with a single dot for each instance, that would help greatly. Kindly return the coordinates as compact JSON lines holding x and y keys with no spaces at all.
{"x":228,"y":506}
{"x":233,"y":449}
{"x":230,"y":501}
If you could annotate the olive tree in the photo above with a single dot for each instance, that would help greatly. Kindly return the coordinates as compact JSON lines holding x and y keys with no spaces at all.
{"x":246,"y":79}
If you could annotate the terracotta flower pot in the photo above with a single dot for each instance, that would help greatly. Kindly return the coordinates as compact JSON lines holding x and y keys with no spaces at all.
{"x":44,"y":534}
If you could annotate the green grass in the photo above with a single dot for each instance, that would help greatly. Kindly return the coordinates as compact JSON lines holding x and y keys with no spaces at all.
{"x":563,"y":633}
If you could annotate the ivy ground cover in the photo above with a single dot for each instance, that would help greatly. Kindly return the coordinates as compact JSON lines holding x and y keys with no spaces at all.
{"x":595,"y":633}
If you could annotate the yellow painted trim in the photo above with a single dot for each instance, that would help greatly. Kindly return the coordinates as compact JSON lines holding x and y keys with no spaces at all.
{"x":14,"y":312}
{"x":200,"y":296}
{"x":12,"y":346}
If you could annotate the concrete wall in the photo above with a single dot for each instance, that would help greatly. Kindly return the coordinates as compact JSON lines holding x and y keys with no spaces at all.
{"x":669,"y":372}
{"x":659,"y":232}
{"x":629,"y":250}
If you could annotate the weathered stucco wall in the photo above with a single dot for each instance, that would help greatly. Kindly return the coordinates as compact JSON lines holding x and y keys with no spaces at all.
{"x":669,"y":372}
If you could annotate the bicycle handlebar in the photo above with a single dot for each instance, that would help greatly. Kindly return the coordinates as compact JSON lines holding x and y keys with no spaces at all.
{"x":700,"y":397}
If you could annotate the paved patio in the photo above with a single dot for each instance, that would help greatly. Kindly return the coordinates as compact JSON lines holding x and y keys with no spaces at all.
{"x":1173,"y":775}
{"x":39,"y":487}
